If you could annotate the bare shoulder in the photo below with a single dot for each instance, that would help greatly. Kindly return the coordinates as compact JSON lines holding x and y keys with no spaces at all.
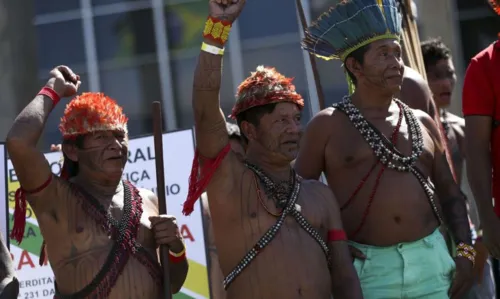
{"x":414,"y":91}
{"x":426,"y":120}
{"x":327,"y":119}
{"x":318,"y":190}
{"x":149,"y":198}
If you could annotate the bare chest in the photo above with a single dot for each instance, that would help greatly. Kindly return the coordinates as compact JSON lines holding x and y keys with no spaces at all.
{"x":87,"y":236}
{"x":351,"y":152}
{"x":258,"y":215}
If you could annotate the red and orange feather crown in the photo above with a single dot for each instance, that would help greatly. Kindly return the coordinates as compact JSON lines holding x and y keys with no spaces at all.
{"x":92,"y":112}
{"x":262,"y":87}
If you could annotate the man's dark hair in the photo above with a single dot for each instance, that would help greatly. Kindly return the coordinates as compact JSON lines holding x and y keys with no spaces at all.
{"x":434,"y":50}
{"x":358,"y":56}
{"x":253,"y":116}
{"x":72,"y":166}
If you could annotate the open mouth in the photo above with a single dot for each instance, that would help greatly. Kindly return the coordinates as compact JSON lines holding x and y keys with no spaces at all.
{"x":115,"y":158}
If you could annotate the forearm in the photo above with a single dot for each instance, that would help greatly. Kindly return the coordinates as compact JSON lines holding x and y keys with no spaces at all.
{"x":178,"y":274}
{"x":345,"y":281}
{"x":29,"y":124}
{"x":456,"y":217}
{"x":479,"y":175}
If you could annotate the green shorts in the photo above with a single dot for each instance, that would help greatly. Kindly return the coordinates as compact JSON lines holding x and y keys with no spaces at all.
{"x":420,"y":269}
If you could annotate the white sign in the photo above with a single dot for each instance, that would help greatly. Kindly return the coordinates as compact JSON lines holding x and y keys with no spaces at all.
{"x":178,"y":151}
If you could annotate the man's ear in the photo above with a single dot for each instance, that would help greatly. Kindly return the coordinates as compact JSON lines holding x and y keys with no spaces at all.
{"x":249,"y":130}
{"x":354,"y":67}
{"x":70,"y":151}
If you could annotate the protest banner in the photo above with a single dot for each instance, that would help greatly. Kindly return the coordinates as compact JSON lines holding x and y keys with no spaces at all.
{"x":38,"y":281}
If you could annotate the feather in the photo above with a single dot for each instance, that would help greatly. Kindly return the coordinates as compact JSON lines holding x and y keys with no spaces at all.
{"x":351,"y":23}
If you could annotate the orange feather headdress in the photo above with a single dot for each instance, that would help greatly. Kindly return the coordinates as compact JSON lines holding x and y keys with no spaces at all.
{"x":265,"y":86}
{"x":92,"y":112}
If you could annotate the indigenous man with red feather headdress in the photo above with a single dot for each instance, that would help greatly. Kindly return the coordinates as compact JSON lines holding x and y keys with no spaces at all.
{"x":101,"y":233}
{"x":277,"y":235}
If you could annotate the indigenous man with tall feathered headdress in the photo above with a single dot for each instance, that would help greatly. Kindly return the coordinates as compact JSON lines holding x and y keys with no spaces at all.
{"x":481,"y":109}
{"x":381,"y":158}
{"x":277,"y":235}
{"x":101,"y":233}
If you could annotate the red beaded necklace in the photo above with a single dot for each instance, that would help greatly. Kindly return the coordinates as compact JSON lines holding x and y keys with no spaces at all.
{"x":394,"y":140}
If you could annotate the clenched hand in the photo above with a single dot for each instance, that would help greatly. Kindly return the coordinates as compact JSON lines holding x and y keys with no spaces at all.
{"x":167,"y":232}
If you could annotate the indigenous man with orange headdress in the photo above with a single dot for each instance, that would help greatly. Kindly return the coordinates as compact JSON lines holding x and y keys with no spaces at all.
{"x":277,"y":235}
{"x":101,"y":233}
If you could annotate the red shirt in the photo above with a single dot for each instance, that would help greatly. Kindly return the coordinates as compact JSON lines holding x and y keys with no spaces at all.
{"x":480,"y":95}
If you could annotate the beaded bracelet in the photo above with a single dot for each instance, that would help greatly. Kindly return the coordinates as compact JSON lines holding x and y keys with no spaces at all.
{"x":467,"y":251}
{"x":49,"y":92}
{"x":177,"y":257}
{"x":217,"y":30}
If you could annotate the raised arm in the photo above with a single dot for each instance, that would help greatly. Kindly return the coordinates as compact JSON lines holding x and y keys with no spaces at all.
{"x":210,"y":124}
{"x":30,"y":164}
{"x":310,"y":162}
{"x":345,"y":281}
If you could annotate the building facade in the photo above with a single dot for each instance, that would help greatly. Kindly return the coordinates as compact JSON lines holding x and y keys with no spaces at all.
{"x":142,"y":51}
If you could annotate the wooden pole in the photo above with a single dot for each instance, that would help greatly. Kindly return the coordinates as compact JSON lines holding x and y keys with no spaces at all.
{"x":317,"y":81}
{"x":160,"y":187}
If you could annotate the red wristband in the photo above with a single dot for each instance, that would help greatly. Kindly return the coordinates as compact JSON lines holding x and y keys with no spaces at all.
{"x":337,"y":235}
{"x":177,"y":257}
{"x":49,"y":92}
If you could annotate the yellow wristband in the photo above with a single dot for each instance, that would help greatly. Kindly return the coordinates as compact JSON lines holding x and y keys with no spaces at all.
{"x":212,"y":49}
{"x":178,"y":254}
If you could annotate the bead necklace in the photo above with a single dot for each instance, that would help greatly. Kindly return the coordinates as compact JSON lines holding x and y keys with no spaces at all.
{"x":389,"y":158}
{"x":386,"y":152}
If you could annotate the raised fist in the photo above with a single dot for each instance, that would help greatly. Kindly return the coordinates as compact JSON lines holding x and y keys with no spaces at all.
{"x":227,"y":10}
{"x":63,"y":81}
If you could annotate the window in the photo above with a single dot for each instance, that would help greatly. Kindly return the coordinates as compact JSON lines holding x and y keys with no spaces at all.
{"x":478,"y":34}
{"x":134,"y":88}
{"x":104,"y":2}
{"x":268,"y":18}
{"x":468,"y":4}
{"x":280,"y":58}
{"x":51,"y":133}
{"x":54,"y":6}
{"x":125,"y":35}
{"x":185,"y":24}
{"x":69,"y":48}
{"x":183,"y":68}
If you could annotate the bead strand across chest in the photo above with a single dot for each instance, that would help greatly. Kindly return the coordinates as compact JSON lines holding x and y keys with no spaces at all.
{"x":386,"y":155}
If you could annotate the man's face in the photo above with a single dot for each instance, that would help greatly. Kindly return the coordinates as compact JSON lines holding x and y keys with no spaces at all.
{"x":279,"y":132}
{"x":383,"y":66}
{"x":104,"y":151}
{"x":442,"y":79}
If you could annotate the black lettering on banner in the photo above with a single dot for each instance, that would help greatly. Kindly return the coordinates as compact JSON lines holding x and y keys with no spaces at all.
{"x":137,"y":176}
{"x":12,"y":176}
{"x":139,"y":154}
{"x":173,"y":189}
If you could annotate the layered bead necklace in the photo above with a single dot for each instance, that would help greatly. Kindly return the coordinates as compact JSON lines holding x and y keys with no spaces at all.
{"x":386,"y":152}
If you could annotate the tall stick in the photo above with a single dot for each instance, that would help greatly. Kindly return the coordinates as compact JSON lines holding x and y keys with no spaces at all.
{"x":160,"y":187}
{"x":319,"y":89}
